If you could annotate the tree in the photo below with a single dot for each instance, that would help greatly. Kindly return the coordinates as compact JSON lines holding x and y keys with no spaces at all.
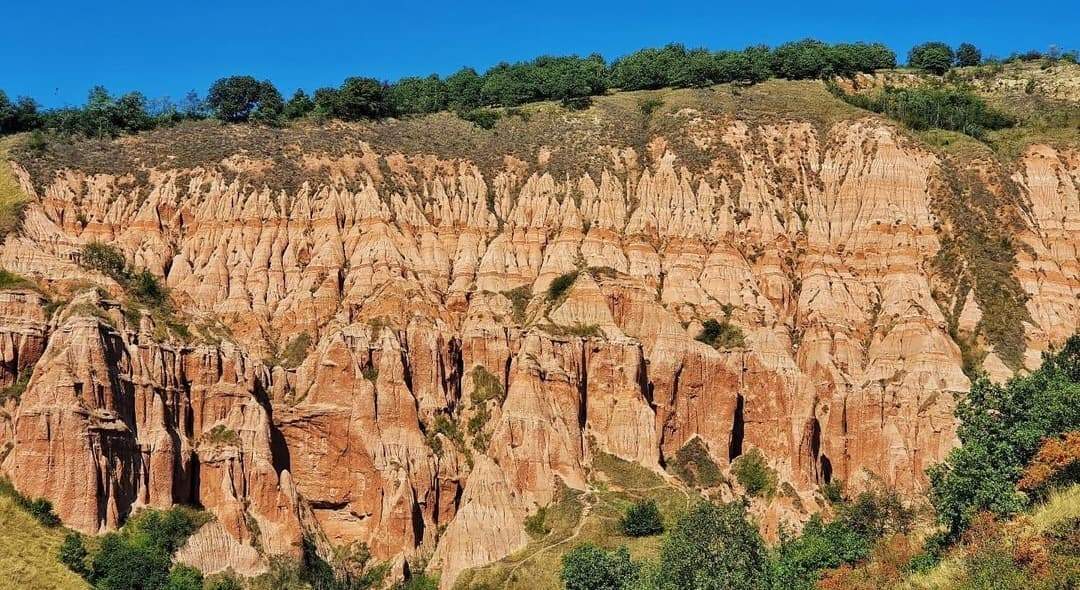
{"x":417,"y":95}
{"x":754,"y":474}
{"x":300,"y":105}
{"x":804,"y":59}
{"x":642,"y":520}
{"x":73,"y":553}
{"x":356,"y":99}
{"x":587,"y":567}
{"x":713,"y":547}
{"x":463,"y":90}
{"x":237,"y":99}
{"x":968,"y":55}
{"x":1001,"y":428}
{"x":184,"y":577}
{"x":21,"y":115}
{"x":934,"y":57}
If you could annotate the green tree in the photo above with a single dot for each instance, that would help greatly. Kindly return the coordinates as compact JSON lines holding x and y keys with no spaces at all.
{"x":238,"y":99}
{"x":652,"y":68}
{"x":356,"y":99}
{"x":73,"y":553}
{"x":642,"y":520}
{"x":1001,"y":428}
{"x":184,"y":577}
{"x":21,"y":115}
{"x":713,"y":547}
{"x":587,"y":567}
{"x":934,"y":57}
{"x":463,"y":90}
{"x":754,"y":474}
{"x":299,"y":106}
{"x":805,"y":59}
{"x":968,"y":55}
{"x":417,"y":95}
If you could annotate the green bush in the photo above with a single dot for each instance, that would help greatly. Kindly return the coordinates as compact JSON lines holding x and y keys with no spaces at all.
{"x":1000,"y":429}
{"x":21,"y":115}
{"x":754,"y":474}
{"x":418,"y":95}
{"x":184,"y":577}
{"x":10,"y":280}
{"x":934,"y":107}
{"x":73,"y":553}
{"x":300,"y":105}
{"x":968,"y":55}
{"x":694,"y":466}
{"x":934,"y":57}
{"x":587,"y":567}
{"x":560,"y":285}
{"x":713,"y":546}
{"x":721,"y":335}
{"x":642,"y":520}
{"x":39,"y":508}
{"x":486,"y":386}
{"x":356,"y":99}
{"x":145,"y":288}
{"x":105,"y":259}
{"x":536,"y":523}
{"x":237,"y":99}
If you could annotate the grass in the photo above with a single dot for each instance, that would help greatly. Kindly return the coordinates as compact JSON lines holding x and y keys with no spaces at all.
{"x":695,"y":467}
{"x":1061,"y":504}
{"x":28,"y":553}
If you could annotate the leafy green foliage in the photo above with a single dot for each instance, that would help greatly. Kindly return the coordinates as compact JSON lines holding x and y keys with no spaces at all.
{"x":10,"y":280}
{"x":105,"y":259}
{"x":39,"y":508}
{"x":486,"y":386}
{"x":1000,"y":430}
{"x":237,"y":99}
{"x":300,"y":105}
{"x":418,"y":95}
{"x":588,"y":567}
{"x":713,"y":546}
{"x":519,"y":300}
{"x":295,"y":352}
{"x":184,"y":577}
{"x":351,"y":567}
{"x":536,"y":523}
{"x":694,"y":466}
{"x":796,"y":564}
{"x":73,"y":553}
{"x":810,"y":59}
{"x":642,"y":520}
{"x":934,"y":57}
{"x":933,"y":107}
{"x":560,"y":285}
{"x":17,"y":116}
{"x":754,"y":474}
{"x":721,"y":335}
{"x":968,"y":55}
{"x":356,"y":99}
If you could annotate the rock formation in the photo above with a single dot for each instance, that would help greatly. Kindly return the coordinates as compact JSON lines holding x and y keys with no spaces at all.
{"x":441,"y":393}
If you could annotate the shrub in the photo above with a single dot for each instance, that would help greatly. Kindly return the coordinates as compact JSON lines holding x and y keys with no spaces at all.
{"x":935,"y":107}
{"x":296,"y":351}
{"x":934,"y":57}
{"x":642,"y":520}
{"x":237,"y":99}
{"x":486,"y":386}
{"x":519,"y":301}
{"x":535,"y":523}
{"x":463,"y":89}
{"x":968,"y":55}
{"x":754,"y":474}
{"x":18,"y":116}
{"x":1001,"y":428}
{"x":10,"y":280}
{"x":1056,"y":463}
{"x":721,"y":335}
{"x":145,"y":288}
{"x":713,"y":546}
{"x":694,"y":466}
{"x":587,"y":567}
{"x":73,"y":553}
{"x":355,"y":100}
{"x":418,"y":95}
{"x":42,"y":511}
{"x":300,"y":105}
{"x":483,"y":118}
{"x":105,"y":259}
{"x":184,"y":577}
{"x":560,"y":285}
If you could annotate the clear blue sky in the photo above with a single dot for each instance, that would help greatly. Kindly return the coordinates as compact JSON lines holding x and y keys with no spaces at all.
{"x":55,"y":50}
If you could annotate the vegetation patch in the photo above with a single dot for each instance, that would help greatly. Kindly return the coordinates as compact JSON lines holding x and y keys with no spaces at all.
{"x":486,"y":386}
{"x":694,"y":466}
{"x":642,"y":520}
{"x":221,"y":435}
{"x":28,"y":551}
{"x":12,"y":199}
{"x":519,"y":301}
{"x":721,"y":335}
{"x":560,"y":285}
{"x":16,"y":389}
{"x":932,"y":107}
{"x":754,"y":474}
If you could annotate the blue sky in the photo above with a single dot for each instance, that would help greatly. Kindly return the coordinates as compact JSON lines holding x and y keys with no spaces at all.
{"x":56,"y":50}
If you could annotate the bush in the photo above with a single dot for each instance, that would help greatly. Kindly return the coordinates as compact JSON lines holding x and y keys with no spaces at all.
{"x":1001,"y":428}
{"x":42,"y":511}
{"x":935,"y":107}
{"x":237,"y":99}
{"x":73,"y":553}
{"x":721,"y":335}
{"x":968,"y":55}
{"x":642,"y":520}
{"x":1057,"y":463}
{"x":184,"y":577}
{"x":105,"y":259}
{"x":300,"y":105}
{"x":145,"y":288}
{"x":934,"y":57}
{"x":713,"y":546}
{"x":355,"y":100}
{"x":418,"y":95}
{"x":754,"y":474}
{"x":536,"y":523}
{"x":560,"y":285}
{"x":587,"y":567}
{"x":463,"y":89}
{"x":18,"y":116}
{"x":694,"y":466}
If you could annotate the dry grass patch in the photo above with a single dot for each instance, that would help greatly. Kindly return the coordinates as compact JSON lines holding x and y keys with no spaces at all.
{"x":28,"y":553}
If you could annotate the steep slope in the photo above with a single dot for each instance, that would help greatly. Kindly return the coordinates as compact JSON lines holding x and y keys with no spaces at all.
{"x":28,"y":553}
{"x":375,"y":354}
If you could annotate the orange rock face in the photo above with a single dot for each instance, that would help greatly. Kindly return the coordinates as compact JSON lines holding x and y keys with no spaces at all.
{"x":446,"y":392}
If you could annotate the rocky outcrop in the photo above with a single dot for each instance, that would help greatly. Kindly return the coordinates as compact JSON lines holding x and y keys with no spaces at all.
{"x":446,"y":393}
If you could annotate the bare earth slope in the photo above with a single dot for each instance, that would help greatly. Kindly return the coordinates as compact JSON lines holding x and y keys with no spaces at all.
{"x":445,"y":396}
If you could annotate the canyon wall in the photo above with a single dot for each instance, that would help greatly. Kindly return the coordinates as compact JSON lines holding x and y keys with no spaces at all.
{"x":375,"y":356}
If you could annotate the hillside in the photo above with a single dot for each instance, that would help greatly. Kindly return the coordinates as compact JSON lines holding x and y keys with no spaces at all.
{"x":419,"y":333}
{"x":28,"y":553}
